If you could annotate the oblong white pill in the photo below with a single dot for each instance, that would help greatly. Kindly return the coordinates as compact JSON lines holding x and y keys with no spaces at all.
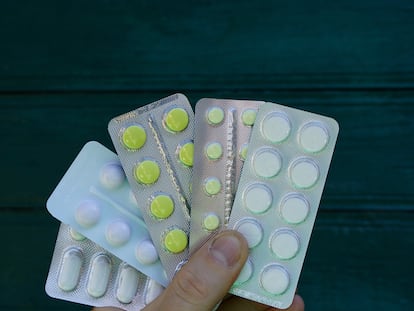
{"x":87,"y":213}
{"x":313,"y":137}
{"x":294,"y":209}
{"x":274,"y":279}
{"x":267,"y":162}
{"x":276,"y":127}
{"x":117,"y":233}
{"x":304,"y":173}
{"x":284,"y":244}
{"x":146,"y":253}
{"x":251,"y":230}
{"x":127,"y":285}
{"x":154,"y":289}
{"x":112,"y":176}
{"x":257,"y":198}
{"x":99,"y":275}
{"x":70,"y":269}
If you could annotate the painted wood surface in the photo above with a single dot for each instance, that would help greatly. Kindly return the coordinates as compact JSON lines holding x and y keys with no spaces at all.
{"x":66,"y":68}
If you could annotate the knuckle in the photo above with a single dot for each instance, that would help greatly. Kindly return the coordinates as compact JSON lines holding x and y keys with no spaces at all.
{"x":189,"y":287}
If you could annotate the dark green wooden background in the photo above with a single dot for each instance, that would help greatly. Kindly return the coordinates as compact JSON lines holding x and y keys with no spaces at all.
{"x":66,"y":68}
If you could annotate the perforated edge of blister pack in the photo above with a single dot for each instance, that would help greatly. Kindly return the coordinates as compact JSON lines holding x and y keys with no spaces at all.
{"x":83,"y":272}
{"x":221,"y":135}
{"x":95,"y":199}
{"x":278,"y":197}
{"x":155,"y":146}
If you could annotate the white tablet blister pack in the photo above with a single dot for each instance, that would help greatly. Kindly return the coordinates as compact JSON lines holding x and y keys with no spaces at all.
{"x":221,"y":135}
{"x":83,"y":272}
{"x":95,"y":199}
{"x":277,"y":199}
{"x":155,"y":146}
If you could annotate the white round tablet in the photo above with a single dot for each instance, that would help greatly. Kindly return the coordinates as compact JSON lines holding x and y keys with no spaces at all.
{"x":304,"y":173}
{"x":245,"y":273}
{"x":257,"y":198}
{"x":146,"y":252}
{"x":267,"y":162}
{"x":294,"y":209}
{"x":117,"y":233}
{"x":112,"y":175}
{"x":251,"y":230}
{"x":87,"y":213}
{"x":276,"y":127}
{"x":313,"y":137}
{"x":284,"y":244}
{"x":274,"y":279}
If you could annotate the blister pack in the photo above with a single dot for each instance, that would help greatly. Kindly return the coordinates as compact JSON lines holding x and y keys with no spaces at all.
{"x":95,"y":199}
{"x":221,"y":135}
{"x":155,"y":146}
{"x":277,"y":199}
{"x":83,"y":272}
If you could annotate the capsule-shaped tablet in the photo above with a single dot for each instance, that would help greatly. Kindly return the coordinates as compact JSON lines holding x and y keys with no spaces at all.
{"x":99,"y":275}
{"x":70,"y":269}
{"x":127,"y":285}
{"x":154,"y":289}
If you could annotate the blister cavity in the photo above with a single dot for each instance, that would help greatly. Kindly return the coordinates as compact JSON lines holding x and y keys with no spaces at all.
{"x":222,"y":132}
{"x":95,"y":199}
{"x":278,"y":197}
{"x":155,"y":146}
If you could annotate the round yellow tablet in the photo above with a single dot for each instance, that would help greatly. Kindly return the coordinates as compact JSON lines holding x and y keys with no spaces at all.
{"x":162,"y":206}
{"x":243,"y":152}
{"x":215,"y":115}
{"x":211,"y":222}
{"x":175,"y":241}
{"x":176,"y":120}
{"x":214,"y":151}
{"x":186,"y":154}
{"x":147,"y":172}
{"x":249,"y":116}
{"x":133,"y":137}
{"x":212,"y":185}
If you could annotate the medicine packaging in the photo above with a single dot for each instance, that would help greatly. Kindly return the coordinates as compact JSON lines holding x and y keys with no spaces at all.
{"x":278,"y":197}
{"x":83,"y":272}
{"x":221,"y":135}
{"x":95,"y":199}
{"x":155,"y":146}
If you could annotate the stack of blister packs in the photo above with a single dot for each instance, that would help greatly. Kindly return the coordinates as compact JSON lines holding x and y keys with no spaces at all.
{"x":130,"y":220}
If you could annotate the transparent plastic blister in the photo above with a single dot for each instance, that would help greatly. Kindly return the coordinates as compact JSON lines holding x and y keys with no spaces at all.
{"x":95,"y":199}
{"x":85,"y":273}
{"x":220,"y":144}
{"x":155,"y":146}
{"x":277,"y":199}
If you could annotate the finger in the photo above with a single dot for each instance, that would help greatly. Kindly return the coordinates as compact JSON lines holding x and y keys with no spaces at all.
{"x":207,"y":277}
{"x":240,"y":304}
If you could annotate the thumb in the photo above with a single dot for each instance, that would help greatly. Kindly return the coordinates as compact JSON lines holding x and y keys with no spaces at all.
{"x":207,"y":277}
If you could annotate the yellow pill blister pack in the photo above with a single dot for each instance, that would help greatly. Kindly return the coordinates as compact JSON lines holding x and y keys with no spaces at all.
{"x":95,"y":199}
{"x":155,"y":146}
{"x":220,"y":144}
{"x":83,"y":272}
{"x":278,"y":197}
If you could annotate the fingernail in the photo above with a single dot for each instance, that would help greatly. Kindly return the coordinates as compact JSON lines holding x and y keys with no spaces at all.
{"x":226,"y":250}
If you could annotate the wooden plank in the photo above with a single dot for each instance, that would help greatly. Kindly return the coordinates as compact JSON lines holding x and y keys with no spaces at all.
{"x":356,"y":260}
{"x":142,"y":45}
{"x":372,"y":166}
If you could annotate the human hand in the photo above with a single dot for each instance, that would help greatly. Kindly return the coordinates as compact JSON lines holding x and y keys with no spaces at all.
{"x":207,"y":277}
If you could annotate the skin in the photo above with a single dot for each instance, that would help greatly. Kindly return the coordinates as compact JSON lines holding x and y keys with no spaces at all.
{"x":207,"y":277}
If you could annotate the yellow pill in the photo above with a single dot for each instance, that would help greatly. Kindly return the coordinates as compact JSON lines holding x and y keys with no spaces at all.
{"x":186,"y":154}
{"x":243,"y":152}
{"x":211,"y":222}
{"x":176,"y":120}
{"x":212,"y":185}
{"x":214,"y":151}
{"x":147,"y":172}
{"x":249,"y":116}
{"x":162,"y":206}
{"x":134,"y":137}
{"x":215,"y":115}
{"x":175,"y":241}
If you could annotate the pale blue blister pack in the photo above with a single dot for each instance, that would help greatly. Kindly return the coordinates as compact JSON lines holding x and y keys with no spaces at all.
{"x":85,"y":273}
{"x":278,"y":197}
{"x":95,"y":199}
{"x":155,"y":146}
{"x":221,"y":136}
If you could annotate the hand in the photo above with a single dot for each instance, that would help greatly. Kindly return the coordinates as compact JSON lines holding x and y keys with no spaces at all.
{"x":207,"y":277}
